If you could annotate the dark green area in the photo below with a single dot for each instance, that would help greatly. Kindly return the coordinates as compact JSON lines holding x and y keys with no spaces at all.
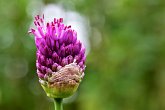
{"x":126,"y":71}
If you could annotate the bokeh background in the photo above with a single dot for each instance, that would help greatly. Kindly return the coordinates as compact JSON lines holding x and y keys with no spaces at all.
{"x":125,"y":40}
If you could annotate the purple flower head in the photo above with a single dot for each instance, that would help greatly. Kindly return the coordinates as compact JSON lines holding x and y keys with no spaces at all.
{"x":57,"y":46}
{"x":58,"y":51}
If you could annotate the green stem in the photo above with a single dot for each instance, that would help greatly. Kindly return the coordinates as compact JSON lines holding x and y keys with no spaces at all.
{"x":58,"y":104}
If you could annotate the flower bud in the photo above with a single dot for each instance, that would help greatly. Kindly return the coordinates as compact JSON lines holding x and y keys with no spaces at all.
{"x":60,"y":57}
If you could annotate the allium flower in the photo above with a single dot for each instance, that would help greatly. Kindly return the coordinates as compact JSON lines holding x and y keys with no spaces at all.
{"x":60,"y":57}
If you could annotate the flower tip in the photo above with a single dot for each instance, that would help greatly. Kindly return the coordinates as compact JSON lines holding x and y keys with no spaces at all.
{"x":61,"y":20}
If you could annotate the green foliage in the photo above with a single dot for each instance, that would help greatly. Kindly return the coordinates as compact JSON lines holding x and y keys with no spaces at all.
{"x":125,"y":71}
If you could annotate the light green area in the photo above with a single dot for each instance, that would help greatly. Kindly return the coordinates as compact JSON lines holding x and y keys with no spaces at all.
{"x":125,"y":71}
{"x":62,"y":92}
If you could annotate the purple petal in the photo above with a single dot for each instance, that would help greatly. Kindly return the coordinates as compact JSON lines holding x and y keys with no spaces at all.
{"x":48,"y":41}
{"x":42,"y":69}
{"x":40,"y":43}
{"x":77,"y":58}
{"x":40,"y":75}
{"x":74,"y":36}
{"x":82,"y":51}
{"x":83,"y":59}
{"x":69,"y":50}
{"x":54,"y":67}
{"x":61,"y":51}
{"x":57,"y":45}
{"x":81,"y":64}
{"x":48,"y":71}
{"x":59,"y":67}
{"x":47,"y":51}
{"x":49,"y":62}
{"x":77,"y":48}
{"x":69,"y":37}
{"x":41,"y":32}
{"x":70,"y":59}
{"x":64,"y":61}
{"x":55,"y":57}
{"x":41,"y":59}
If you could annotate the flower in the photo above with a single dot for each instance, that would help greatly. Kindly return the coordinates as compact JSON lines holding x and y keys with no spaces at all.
{"x":60,"y":57}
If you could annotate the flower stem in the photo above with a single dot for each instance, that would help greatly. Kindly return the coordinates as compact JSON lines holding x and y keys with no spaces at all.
{"x":58,"y":104}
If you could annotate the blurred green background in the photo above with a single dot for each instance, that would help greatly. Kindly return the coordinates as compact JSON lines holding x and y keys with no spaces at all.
{"x":125,"y":70}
